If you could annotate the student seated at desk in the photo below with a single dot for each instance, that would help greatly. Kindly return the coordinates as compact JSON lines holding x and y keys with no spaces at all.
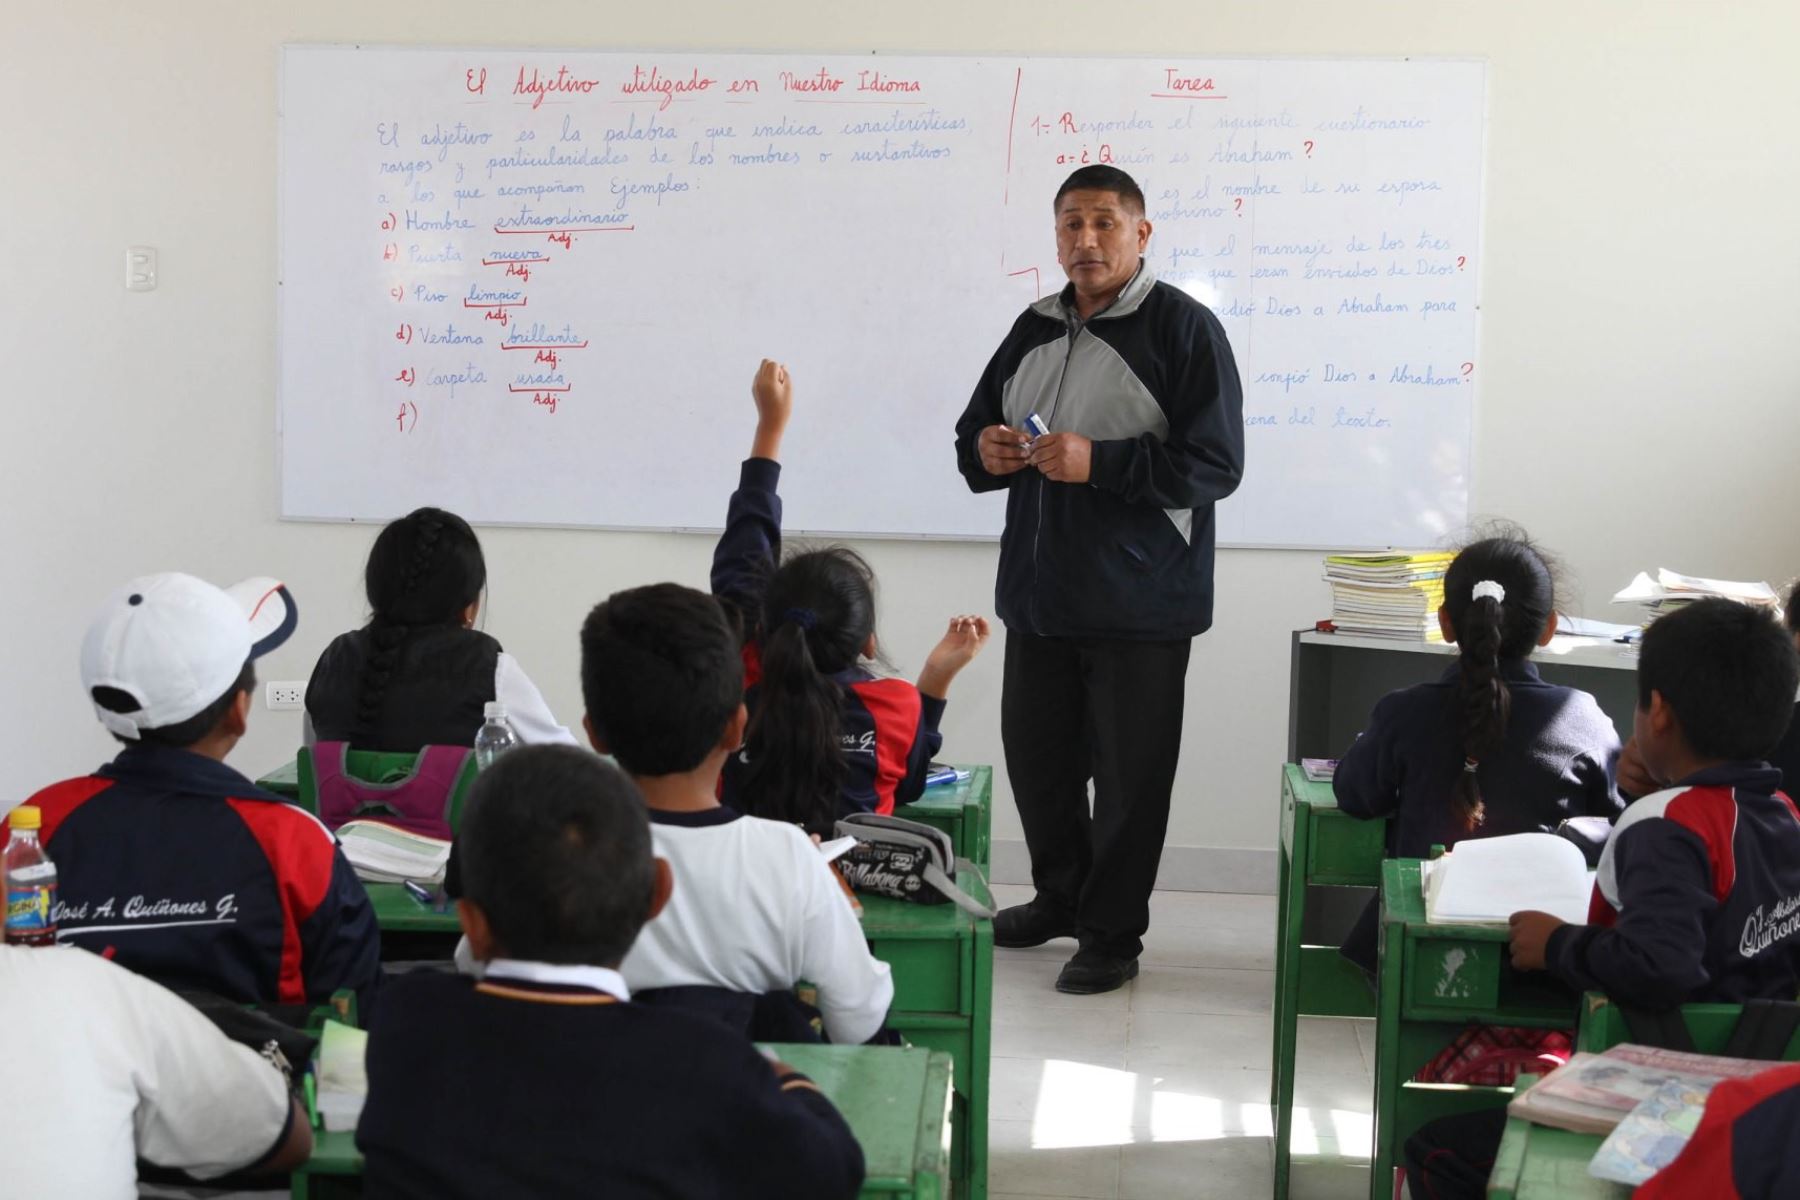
{"x":543,"y":1078}
{"x":1691,"y":903}
{"x":419,"y":674}
{"x":827,"y":735}
{"x":1490,"y":748}
{"x":169,"y":861}
{"x":756,"y":906}
{"x":101,"y":1068}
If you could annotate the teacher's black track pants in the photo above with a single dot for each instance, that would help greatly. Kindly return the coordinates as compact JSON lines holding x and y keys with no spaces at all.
{"x":1106,"y":710}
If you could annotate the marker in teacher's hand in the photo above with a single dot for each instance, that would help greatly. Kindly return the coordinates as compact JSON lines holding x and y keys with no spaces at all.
{"x":1034,"y":425}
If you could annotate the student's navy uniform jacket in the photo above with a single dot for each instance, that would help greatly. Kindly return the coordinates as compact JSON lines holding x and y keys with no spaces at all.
{"x":1744,"y":1148}
{"x":1785,"y":757}
{"x":174,"y":865}
{"x":1697,"y":898}
{"x":890,"y":728}
{"x":1152,"y":382}
{"x":507,"y":1088}
{"x":1558,"y":760}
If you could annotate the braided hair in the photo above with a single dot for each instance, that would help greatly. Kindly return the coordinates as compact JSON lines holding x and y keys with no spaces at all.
{"x":818,"y":614}
{"x":1492,"y":624}
{"x":424,"y":570}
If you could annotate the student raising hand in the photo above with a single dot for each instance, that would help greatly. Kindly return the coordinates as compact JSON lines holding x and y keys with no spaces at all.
{"x":773,"y":391}
{"x":954,"y":651}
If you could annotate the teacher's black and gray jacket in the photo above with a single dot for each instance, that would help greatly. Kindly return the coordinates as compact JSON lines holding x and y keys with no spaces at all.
{"x":1152,"y":381}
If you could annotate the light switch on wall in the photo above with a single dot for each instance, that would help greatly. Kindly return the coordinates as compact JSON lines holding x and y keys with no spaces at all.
{"x":140,"y":268}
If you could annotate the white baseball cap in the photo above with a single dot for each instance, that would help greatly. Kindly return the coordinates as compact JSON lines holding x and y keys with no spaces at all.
{"x":175,"y":644}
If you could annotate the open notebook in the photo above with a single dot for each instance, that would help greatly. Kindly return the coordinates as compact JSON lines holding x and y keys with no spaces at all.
{"x":1483,"y":881}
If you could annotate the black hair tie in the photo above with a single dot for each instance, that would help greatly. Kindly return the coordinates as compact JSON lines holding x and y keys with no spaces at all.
{"x":805,"y":618}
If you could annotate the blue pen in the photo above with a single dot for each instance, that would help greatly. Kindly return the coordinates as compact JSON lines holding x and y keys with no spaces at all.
{"x":419,"y":892}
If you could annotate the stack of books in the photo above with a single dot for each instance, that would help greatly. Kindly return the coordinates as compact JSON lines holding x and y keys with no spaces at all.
{"x":383,"y":853}
{"x":1390,"y":595}
{"x":1669,"y":590}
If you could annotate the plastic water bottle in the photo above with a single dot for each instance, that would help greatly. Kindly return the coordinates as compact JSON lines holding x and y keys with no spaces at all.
{"x":495,"y":737}
{"x":30,"y":882}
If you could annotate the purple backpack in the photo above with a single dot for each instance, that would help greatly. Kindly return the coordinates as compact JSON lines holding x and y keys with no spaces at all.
{"x":418,"y":800}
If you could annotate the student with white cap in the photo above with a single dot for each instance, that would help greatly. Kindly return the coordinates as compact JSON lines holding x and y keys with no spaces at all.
{"x":172,"y":863}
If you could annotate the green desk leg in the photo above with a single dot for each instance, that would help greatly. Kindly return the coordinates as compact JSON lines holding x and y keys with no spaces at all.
{"x":981,"y":1042}
{"x":1387,"y":1058}
{"x":1290,"y":891}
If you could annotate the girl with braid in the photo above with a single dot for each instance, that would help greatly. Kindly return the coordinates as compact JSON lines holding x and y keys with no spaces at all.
{"x":419,"y":673}
{"x":1489,"y":748}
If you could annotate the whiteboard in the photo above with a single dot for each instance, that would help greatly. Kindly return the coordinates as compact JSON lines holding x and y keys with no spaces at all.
{"x":532,"y":287}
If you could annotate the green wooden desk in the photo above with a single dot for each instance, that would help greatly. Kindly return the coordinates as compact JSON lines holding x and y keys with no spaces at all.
{"x":284,"y":780}
{"x":895,"y":1099}
{"x":963,"y":810}
{"x":1435,"y":980}
{"x":1536,"y":1162}
{"x":943,"y":962}
{"x":1320,"y":847}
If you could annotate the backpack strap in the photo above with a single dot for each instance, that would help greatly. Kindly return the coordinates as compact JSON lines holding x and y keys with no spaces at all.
{"x":1665,"y":1029}
{"x":1763,"y":1030}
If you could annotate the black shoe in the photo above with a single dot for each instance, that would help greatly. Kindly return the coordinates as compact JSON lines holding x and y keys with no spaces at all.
{"x":1091,"y":972}
{"x":1025,"y":925}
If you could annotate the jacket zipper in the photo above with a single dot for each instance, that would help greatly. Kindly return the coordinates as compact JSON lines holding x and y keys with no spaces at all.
{"x":1075,"y":328}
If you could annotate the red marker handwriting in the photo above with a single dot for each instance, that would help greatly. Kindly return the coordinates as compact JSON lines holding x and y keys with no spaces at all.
{"x":547,"y":357}
{"x":403,"y":334}
{"x":523,"y":272}
{"x":405,"y":376}
{"x":1460,"y":260}
{"x":390,"y":252}
{"x":1309,"y":147}
{"x":1237,"y":205}
{"x":475,"y":81}
{"x":388,"y":222}
{"x":562,"y":83}
{"x":398,"y":293}
{"x":1468,"y":369}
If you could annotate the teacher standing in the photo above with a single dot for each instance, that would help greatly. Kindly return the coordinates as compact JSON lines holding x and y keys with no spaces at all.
{"x":1106,"y":565}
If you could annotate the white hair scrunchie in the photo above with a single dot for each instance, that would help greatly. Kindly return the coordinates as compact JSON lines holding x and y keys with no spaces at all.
{"x":1490,"y":589}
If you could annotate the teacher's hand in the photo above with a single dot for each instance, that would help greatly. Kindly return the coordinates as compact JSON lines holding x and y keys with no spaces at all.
{"x":1064,"y":457}
{"x":1003,"y":450}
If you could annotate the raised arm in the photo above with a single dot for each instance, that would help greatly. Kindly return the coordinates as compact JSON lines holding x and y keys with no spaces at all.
{"x":751,"y":543}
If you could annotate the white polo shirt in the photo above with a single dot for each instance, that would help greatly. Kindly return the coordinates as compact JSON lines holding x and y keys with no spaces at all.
{"x":100,"y":1066}
{"x":756,"y":908}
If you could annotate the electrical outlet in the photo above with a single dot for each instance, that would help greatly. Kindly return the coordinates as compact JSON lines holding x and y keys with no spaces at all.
{"x":285,"y":694}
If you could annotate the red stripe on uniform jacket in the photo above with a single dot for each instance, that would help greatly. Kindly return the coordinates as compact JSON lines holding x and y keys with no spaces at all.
{"x":895,"y":707}
{"x":1711,"y":814}
{"x":301,"y":855}
{"x":58,"y":800}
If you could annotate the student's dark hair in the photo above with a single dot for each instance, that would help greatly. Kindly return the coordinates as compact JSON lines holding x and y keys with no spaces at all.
{"x":1490,"y":631}
{"x":1793,"y":609}
{"x":424,"y":570}
{"x":555,"y":850}
{"x":1728,"y":671}
{"x":818,"y":613}
{"x":1102,"y":179}
{"x":184,"y":734}
{"x":661,"y":676}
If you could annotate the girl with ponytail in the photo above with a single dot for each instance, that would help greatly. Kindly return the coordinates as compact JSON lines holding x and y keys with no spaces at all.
{"x":827,"y":735}
{"x":419,"y":674}
{"x":1489,"y":748}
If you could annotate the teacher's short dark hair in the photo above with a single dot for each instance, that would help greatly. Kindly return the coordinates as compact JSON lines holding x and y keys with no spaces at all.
{"x":1102,"y":179}
{"x":1728,"y":670}
{"x":555,"y":849}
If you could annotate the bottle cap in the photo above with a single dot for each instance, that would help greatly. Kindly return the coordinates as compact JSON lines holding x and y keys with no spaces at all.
{"x":26,"y":816}
{"x":492,"y":709}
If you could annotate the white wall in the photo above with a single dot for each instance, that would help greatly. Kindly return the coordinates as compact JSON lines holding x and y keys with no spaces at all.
{"x":1640,"y":404}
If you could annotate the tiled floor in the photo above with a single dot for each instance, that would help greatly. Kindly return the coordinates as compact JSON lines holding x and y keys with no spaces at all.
{"x":1161,"y":1090}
